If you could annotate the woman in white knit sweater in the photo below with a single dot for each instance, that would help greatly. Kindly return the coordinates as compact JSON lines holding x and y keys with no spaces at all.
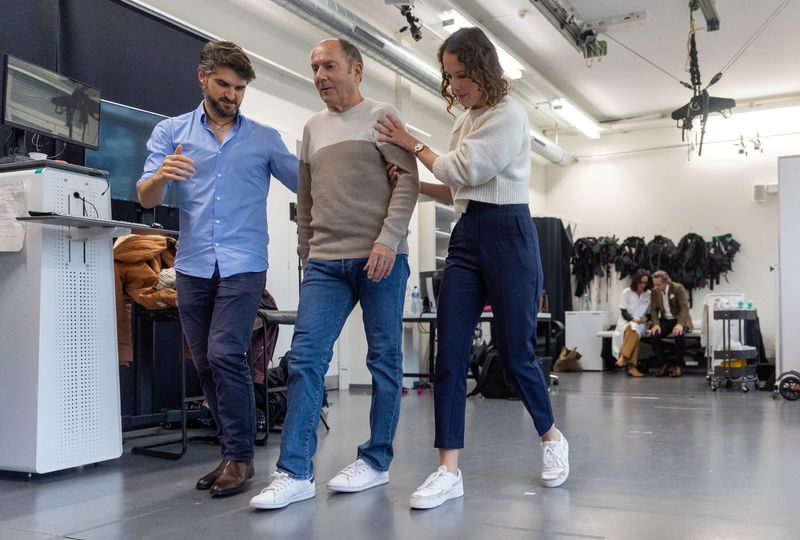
{"x":493,"y":255}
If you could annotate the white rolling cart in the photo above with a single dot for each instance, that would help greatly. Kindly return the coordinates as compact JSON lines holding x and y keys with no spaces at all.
{"x":730,"y":364}
{"x":59,"y":389}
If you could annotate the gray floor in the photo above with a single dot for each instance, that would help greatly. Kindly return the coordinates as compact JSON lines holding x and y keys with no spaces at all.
{"x":651,"y":458}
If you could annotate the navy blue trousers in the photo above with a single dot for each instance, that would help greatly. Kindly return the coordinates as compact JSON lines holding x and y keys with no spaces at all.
{"x":217,"y":317}
{"x":493,"y":256}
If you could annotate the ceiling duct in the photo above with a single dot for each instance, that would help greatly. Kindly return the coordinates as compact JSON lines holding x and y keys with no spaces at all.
{"x":338,"y":21}
{"x":549,"y":150}
{"x":333,"y":18}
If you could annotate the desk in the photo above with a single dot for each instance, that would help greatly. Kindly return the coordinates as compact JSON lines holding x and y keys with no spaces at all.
{"x":430,"y":319}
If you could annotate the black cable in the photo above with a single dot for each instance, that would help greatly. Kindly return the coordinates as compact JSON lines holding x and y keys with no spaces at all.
{"x":609,"y":36}
{"x":5,"y":144}
{"x":85,"y":202}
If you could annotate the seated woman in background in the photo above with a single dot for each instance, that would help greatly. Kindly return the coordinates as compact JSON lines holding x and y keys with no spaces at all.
{"x":634,"y":305}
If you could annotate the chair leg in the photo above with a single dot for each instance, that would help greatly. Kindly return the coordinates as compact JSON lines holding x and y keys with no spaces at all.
{"x":184,"y":440}
{"x":263,"y":441}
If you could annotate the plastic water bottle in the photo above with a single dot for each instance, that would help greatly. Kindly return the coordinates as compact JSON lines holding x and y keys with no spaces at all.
{"x":586,"y":302}
{"x":416,"y":302}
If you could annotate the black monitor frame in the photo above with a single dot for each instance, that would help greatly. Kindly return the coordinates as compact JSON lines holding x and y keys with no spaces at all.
{"x":433,"y":277}
{"x":15,"y":126}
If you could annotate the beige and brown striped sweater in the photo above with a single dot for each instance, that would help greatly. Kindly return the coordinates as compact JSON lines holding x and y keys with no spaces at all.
{"x":345,"y":203}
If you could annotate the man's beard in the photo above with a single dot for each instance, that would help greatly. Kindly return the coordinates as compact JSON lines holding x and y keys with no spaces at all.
{"x":217,"y":106}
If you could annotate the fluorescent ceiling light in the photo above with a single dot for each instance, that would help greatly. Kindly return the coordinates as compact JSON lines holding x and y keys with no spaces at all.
{"x":421,"y":132}
{"x":452,"y":20}
{"x":577,"y":119}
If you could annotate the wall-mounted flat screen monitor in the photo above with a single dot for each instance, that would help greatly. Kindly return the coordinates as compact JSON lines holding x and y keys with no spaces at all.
{"x":41,"y":101}
{"x":123,"y":148}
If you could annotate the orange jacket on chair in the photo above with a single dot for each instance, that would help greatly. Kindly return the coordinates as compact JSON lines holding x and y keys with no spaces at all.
{"x":138,"y":259}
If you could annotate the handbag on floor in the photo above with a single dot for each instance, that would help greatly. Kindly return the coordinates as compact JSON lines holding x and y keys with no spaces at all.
{"x":568,"y":361}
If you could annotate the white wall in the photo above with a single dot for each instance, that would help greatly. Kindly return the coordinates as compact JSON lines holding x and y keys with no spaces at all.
{"x":662,"y":192}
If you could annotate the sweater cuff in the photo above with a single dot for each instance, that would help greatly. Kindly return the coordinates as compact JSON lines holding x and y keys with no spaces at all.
{"x":388,"y":239}
{"x":440,"y":169}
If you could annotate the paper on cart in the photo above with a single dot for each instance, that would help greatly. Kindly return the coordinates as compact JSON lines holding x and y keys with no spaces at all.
{"x":12,"y":205}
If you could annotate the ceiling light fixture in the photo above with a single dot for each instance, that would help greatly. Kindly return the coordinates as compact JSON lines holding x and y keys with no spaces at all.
{"x":452,"y":20}
{"x":576,"y":118}
{"x":571,"y":25}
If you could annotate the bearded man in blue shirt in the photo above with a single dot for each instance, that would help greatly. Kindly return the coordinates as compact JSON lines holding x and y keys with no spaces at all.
{"x":220,"y":163}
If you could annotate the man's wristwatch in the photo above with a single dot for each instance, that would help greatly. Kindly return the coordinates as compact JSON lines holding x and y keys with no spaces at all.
{"x":419,"y":147}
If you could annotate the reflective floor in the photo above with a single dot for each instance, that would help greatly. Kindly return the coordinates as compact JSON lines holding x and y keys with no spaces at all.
{"x":650,"y":458}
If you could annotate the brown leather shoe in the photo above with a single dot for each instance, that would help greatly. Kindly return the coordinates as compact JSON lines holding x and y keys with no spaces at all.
{"x":677,"y":372}
{"x":664,"y":371}
{"x":208,"y":480}
{"x":633,"y":372}
{"x":233,"y":477}
{"x":620,"y":361}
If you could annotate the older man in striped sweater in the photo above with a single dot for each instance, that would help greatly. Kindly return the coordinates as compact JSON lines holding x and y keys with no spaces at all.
{"x":352,"y":240}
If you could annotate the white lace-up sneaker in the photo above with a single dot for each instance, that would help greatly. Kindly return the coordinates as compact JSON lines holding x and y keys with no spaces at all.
{"x":283,"y":491}
{"x":357,"y":476}
{"x":555,"y":462}
{"x":439,"y":487}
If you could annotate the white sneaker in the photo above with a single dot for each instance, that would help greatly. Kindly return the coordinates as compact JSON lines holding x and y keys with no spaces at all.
{"x":439,"y":487}
{"x":358,"y":476}
{"x":555,"y":462}
{"x":283,"y":491}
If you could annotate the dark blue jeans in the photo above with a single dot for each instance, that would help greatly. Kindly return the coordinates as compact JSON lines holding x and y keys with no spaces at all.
{"x":217,"y":316}
{"x":330,"y":291}
{"x":493,"y":256}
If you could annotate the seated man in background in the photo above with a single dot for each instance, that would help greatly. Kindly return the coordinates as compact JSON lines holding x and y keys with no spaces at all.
{"x":669,"y":314}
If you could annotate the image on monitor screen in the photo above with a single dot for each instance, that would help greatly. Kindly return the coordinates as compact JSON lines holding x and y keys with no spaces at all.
{"x":123,"y":148}
{"x":41,"y":101}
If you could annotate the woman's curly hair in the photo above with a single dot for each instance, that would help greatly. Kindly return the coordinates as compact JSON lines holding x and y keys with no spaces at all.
{"x":479,"y":57}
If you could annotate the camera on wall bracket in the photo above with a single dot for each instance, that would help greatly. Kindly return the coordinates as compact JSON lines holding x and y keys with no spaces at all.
{"x":413,"y":22}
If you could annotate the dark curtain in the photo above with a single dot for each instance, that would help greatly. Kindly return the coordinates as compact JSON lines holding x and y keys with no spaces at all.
{"x":555,"y":247}
{"x":133,"y":58}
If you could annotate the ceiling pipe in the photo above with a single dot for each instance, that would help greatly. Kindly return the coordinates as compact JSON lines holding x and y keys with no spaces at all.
{"x":337,"y":20}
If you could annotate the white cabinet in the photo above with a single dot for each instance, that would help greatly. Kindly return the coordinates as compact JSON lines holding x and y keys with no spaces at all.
{"x":581,"y":329}
{"x":436,"y":222}
{"x":59,"y":389}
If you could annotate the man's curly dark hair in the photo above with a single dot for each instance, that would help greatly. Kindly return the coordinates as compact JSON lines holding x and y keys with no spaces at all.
{"x":226,"y":54}
{"x":479,"y":57}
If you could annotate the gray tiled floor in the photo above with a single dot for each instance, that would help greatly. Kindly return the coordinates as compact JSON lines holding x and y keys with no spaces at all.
{"x":651,"y":458}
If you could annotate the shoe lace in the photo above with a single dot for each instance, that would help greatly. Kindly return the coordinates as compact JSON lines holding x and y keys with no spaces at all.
{"x":279,"y":481}
{"x":354,"y":468}
{"x":434,"y":481}
{"x":551,"y":459}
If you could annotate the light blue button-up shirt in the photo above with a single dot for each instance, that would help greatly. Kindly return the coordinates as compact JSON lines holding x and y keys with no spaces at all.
{"x":223,"y":205}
